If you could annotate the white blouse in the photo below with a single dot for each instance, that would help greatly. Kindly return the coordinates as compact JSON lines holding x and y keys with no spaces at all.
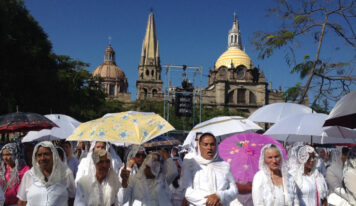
{"x":264,"y":194}
{"x":35,"y":193}
{"x":307,"y":192}
{"x":198,"y":182}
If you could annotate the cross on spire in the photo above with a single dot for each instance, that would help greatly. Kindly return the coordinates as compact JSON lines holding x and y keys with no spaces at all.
{"x":235,"y":16}
{"x":109,"y":38}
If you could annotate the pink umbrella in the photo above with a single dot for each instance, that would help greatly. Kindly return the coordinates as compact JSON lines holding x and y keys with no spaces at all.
{"x":242,"y":152}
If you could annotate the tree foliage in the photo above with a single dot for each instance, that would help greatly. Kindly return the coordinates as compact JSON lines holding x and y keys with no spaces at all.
{"x":34,"y":79}
{"x":318,"y":20}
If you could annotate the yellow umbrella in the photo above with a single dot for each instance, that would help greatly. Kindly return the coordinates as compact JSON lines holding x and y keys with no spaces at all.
{"x":125,"y":127}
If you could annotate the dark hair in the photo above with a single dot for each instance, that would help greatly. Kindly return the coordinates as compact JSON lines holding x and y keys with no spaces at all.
{"x":60,"y":153}
{"x":206,"y":134}
{"x":345,"y":151}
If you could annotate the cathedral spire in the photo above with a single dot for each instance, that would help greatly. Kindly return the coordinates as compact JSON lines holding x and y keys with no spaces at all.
{"x":234,"y":37}
{"x":150,"y":53}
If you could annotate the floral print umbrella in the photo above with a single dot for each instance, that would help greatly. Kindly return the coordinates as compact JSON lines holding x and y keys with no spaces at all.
{"x":242,"y":152}
{"x":125,"y":127}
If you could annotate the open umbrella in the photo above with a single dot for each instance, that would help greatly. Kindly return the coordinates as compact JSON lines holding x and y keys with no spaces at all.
{"x":66,"y":126}
{"x":242,"y":152}
{"x":161,"y":141}
{"x":24,"y":122}
{"x":275,"y":112}
{"x":344,"y":112}
{"x":222,"y":127}
{"x":125,"y":127}
{"x":303,"y":128}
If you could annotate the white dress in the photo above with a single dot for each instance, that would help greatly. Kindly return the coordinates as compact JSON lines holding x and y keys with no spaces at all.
{"x":36,"y":194}
{"x":307,"y":192}
{"x":177,"y":194}
{"x":146,"y":192}
{"x":198,"y":183}
{"x":264,"y":194}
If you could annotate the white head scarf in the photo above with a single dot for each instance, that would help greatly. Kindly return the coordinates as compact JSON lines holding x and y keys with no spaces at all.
{"x":215,"y":165}
{"x":59,"y":171}
{"x":133,"y":150}
{"x":336,"y":166}
{"x":268,"y":190}
{"x":299,"y":158}
{"x":91,"y":185}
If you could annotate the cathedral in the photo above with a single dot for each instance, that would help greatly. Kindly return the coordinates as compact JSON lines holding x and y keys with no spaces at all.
{"x":234,"y":82}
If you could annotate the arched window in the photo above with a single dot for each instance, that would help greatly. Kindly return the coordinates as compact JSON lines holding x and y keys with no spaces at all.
{"x":154,"y":92}
{"x":232,"y":38}
{"x":231,"y":97}
{"x":152,"y":72}
{"x":111,"y":90}
{"x":252,"y":98}
{"x":144,"y":93}
{"x":235,"y":38}
{"x":241,"y":95}
{"x":147,"y":72}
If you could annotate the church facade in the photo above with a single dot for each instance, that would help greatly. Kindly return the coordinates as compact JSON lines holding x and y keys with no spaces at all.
{"x":234,"y":82}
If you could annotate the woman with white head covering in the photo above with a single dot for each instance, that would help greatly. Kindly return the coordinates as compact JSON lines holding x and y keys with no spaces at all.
{"x":310,"y":183}
{"x":135,"y":157}
{"x":149,"y":186}
{"x":49,"y":182}
{"x":84,"y":165}
{"x":12,"y":169}
{"x":271,"y":185}
{"x":346,"y":194}
{"x":334,"y":173}
{"x":209,"y":179}
{"x":100,"y":186}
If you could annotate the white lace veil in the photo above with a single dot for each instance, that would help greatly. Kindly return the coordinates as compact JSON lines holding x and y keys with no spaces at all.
{"x":283,"y":168}
{"x":299,"y":157}
{"x":59,"y":170}
{"x":13,"y":149}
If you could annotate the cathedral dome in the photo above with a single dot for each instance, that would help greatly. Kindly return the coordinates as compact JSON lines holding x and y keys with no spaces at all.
{"x":235,"y":56}
{"x":110,"y":71}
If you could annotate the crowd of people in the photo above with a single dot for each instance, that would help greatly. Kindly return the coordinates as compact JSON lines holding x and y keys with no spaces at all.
{"x":97,"y":174}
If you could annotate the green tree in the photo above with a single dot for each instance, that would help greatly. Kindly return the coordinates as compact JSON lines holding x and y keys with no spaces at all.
{"x":303,"y":19}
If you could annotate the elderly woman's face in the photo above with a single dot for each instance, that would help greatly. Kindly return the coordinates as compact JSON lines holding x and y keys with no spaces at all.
{"x":7,"y":158}
{"x":102,"y":167}
{"x":207,"y":147}
{"x":273,"y":159}
{"x":44,"y":157}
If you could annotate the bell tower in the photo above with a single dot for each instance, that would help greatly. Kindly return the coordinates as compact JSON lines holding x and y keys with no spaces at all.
{"x":149,"y":83}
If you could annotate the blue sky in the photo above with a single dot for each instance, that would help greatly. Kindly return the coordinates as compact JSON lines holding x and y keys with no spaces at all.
{"x":191,"y":32}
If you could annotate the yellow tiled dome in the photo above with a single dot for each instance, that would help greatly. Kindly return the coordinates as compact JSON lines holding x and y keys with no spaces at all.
{"x":236,"y":56}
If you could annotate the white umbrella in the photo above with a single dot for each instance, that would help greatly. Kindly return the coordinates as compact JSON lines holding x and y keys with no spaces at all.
{"x":304,"y":128}
{"x":340,"y":132}
{"x":344,"y":112}
{"x":222,"y":127}
{"x":66,"y":126}
{"x":273,"y":113}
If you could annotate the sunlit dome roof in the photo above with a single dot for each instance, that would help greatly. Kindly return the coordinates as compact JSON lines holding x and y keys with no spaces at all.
{"x":235,"y":56}
{"x":109,"y":71}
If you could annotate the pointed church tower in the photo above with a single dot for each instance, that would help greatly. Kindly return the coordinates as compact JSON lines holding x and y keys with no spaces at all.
{"x":149,"y":83}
